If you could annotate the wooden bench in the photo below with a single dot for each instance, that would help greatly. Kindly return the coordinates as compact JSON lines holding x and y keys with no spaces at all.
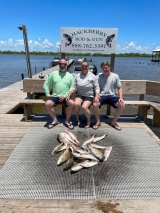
{"x":31,"y":87}
{"x":135,"y":87}
{"x":130,"y":87}
{"x":156,"y":114}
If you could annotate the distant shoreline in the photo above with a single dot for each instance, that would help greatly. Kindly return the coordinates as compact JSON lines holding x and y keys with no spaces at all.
{"x":78,"y":54}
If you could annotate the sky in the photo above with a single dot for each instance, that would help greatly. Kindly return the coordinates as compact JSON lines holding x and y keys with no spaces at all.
{"x":137,"y":21}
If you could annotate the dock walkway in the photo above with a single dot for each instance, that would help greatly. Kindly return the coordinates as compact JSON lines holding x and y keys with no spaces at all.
{"x":12,"y":130}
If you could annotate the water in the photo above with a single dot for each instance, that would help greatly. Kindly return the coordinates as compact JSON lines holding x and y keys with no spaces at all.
{"x":12,"y":66}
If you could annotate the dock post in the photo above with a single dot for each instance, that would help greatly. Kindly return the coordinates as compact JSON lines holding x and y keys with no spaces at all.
{"x":22,"y":76}
{"x":62,"y":55}
{"x":112,"y":61}
{"x":23,"y":27}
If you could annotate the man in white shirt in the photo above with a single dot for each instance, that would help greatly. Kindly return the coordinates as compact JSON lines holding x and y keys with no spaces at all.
{"x":108,"y":83}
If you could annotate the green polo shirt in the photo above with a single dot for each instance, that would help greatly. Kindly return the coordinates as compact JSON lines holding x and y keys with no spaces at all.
{"x":60,"y":82}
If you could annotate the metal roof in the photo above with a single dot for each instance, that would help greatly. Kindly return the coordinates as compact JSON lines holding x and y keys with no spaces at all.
{"x":157,"y":50}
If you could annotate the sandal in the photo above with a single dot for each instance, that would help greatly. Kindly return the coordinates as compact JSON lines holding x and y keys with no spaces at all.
{"x":69,"y":125}
{"x":87,"y":126}
{"x":96,"y":126}
{"x":77,"y":123}
{"x":116,"y":126}
{"x":50,"y":126}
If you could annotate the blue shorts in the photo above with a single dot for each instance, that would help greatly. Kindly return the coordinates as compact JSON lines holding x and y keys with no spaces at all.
{"x":56,"y":100}
{"x":109,"y":99}
{"x":85,"y":98}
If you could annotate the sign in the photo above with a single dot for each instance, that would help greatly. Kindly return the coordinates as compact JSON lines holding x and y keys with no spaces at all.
{"x":89,"y":40}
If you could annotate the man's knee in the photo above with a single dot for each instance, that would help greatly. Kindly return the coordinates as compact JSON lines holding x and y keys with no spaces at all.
{"x":96,"y":105}
{"x":120,"y":106}
{"x":49,"y":104}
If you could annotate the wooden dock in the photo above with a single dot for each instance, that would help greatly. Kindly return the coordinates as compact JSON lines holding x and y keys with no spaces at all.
{"x":12,"y":130}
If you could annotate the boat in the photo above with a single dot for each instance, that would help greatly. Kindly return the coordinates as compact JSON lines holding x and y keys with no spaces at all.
{"x":55,"y":61}
{"x":80,"y":60}
{"x":77,"y":69}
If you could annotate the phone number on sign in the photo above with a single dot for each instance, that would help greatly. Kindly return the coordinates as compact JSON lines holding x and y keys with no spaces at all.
{"x":88,"y":45}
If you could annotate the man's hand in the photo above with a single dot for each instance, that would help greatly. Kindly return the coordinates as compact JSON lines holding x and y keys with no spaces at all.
{"x":68,"y":98}
{"x":61,"y":99}
{"x":121,"y":101}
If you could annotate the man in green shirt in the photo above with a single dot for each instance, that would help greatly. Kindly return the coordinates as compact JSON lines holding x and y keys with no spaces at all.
{"x":60,"y":81}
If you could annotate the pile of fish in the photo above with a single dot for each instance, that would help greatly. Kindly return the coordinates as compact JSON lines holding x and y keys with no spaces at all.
{"x":79,"y":155}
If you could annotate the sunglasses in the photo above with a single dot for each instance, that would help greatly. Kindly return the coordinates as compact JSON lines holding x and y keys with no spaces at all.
{"x":84,"y":66}
{"x":62,"y":64}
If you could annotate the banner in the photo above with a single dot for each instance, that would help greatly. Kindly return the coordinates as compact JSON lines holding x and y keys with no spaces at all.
{"x":88,"y":40}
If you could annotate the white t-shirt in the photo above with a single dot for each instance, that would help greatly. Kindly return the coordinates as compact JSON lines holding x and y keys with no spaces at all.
{"x":108,"y":84}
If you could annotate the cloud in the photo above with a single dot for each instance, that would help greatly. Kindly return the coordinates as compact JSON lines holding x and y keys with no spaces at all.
{"x":10,"y":44}
{"x":132,"y":44}
{"x":37,"y":45}
{"x":3,"y":42}
{"x":45,"y":45}
{"x":58,"y":44}
{"x":133,"y":47}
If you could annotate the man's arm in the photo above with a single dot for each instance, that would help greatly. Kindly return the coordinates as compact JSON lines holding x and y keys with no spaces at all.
{"x":47,"y":85}
{"x":120,"y":93}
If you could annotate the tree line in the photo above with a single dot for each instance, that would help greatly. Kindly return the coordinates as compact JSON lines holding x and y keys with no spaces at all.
{"x":78,"y":54}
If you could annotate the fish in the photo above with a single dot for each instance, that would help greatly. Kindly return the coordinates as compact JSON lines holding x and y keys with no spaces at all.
{"x":89,"y":140}
{"x":79,"y":150}
{"x":65,"y":138}
{"x":73,"y":136}
{"x":107,"y":152}
{"x":74,"y":146}
{"x":77,"y":167}
{"x":99,"y":138}
{"x":97,"y":153}
{"x":109,"y":40}
{"x":84,"y":156}
{"x":62,"y":148}
{"x":64,"y":157}
{"x":69,"y":163}
{"x":61,"y":137}
{"x":98,"y":146}
{"x":68,"y":39}
{"x":85,"y":148}
{"x":88,"y":164}
{"x":78,"y":156}
{"x":79,"y":160}
{"x":57,"y":148}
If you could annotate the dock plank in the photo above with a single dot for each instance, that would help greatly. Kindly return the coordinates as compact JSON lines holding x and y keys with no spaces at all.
{"x":80,"y":206}
{"x":7,"y":146}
